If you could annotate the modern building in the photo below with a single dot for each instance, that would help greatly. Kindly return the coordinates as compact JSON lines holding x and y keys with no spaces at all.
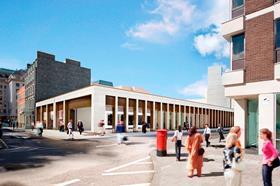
{"x":10,"y":82}
{"x":216,"y":89}
{"x":254,"y":80}
{"x":130,"y":106}
{"x":21,"y":107}
{"x":46,"y":78}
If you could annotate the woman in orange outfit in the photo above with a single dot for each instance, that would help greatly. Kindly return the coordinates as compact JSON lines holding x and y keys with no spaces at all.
{"x":193,"y":146}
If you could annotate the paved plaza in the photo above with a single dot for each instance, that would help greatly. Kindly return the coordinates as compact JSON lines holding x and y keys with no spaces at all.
{"x":95,"y":160}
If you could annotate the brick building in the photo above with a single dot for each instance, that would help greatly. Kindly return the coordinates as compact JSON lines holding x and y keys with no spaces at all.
{"x":47,"y":78}
{"x":253,"y":82}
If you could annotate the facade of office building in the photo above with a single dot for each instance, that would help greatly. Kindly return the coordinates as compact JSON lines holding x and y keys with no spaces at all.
{"x":254,"y":80}
{"x":21,"y":107}
{"x":47,"y":78}
{"x":130,"y":107}
{"x":10,"y":83}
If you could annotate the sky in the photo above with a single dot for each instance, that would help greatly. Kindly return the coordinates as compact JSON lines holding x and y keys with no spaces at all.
{"x":163,"y":46}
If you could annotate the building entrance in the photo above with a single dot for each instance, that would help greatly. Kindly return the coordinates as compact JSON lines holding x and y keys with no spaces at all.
{"x":252,"y":123}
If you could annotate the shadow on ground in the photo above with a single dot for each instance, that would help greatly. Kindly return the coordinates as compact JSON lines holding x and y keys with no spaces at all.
{"x":35,"y":153}
{"x":213,"y":174}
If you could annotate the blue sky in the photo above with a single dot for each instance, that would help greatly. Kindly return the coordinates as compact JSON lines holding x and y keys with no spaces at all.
{"x":164,"y":46}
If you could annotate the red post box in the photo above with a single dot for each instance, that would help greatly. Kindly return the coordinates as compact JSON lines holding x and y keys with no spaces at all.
{"x":161,"y":142}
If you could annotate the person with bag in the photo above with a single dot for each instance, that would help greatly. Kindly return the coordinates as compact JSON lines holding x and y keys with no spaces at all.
{"x":270,"y":157}
{"x":193,"y":147}
{"x":177,"y":139}
{"x":207,"y":134}
{"x":233,"y":165}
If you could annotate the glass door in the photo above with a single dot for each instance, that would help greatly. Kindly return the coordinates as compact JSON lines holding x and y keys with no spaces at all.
{"x":278,"y":121}
{"x":252,"y":124}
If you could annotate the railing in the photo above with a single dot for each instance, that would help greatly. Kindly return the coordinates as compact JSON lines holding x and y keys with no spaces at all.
{"x":239,"y":11}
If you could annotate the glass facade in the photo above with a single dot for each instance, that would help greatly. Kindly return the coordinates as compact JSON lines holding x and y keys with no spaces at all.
{"x":238,"y":47}
{"x":277,"y":33}
{"x":252,"y":123}
{"x":237,"y":3}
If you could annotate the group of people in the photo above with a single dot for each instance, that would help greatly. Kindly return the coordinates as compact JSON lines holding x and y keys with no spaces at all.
{"x":233,"y":153}
{"x":70,"y":128}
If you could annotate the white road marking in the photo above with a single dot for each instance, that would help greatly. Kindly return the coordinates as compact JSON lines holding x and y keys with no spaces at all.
{"x":111,"y":145}
{"x":127,"y":173}
{"x":126,"y":165}
{"x":140,"y":184}
{"x":68,"y":182}
{"x":144,"y":163}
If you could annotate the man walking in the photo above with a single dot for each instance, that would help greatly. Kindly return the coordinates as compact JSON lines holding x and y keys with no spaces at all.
{"x":207,"y":134}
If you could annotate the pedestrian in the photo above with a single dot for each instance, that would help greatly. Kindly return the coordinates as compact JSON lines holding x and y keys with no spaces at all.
{"x":232,"y":161}
{"x":207,"y":134}
{"x":270,"y":157}
{"x":193,"y":147}
{"x":80,"y":126}
{"x":221,"y":133}
{"x":61,"y":126}
{"x":237,"y":130}
{"x":70,"y":129}
{"x":177,"y":139}
{"x":144,"y":127}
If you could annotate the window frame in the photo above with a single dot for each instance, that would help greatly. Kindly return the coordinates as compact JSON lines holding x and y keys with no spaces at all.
{"x":232,"y":50}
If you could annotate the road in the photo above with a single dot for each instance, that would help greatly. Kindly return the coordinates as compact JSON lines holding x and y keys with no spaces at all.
{"x":43,"y":161}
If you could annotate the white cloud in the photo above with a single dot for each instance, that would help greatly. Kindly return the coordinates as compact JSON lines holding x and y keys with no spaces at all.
{"x":131,"y":46}
{"x":196,"y":89}
{"x":211,"y":43}
{"x":169,"y":18}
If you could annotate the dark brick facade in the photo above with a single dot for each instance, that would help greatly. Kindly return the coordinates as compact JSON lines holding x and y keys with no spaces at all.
{"x":259,"y":49}
{"x":256,"y":5}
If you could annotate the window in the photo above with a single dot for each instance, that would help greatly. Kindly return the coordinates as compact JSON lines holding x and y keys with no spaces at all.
{"x":238,"y":47}
{"x":277,"y":33}
{"x":237,"y":3}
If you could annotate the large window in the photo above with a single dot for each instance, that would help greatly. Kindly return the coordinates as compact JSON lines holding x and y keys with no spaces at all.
{"x":237,"y":3}
{"x":238,"y":47}
{"x":277,"y":33}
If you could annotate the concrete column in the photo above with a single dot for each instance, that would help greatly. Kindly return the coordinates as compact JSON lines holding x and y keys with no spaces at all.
{"x":146,"y":111}
{"x":184,"y":114}
{"x":64,"y":113}
{"x":167,"y":118}
{"x":93,"y":128}
{"x":41,"y":113}
{"x":116,"y":112}
{"x":240,"y":117}
{"x":161,"y":117}
{"x":267,"y":115}
{"x":174,"y":118}
{"x":126,"y":113}
{"x":47,"y":117}
{"x":179,"y":118}
{"x":154,"y":115}
{"x":54,"y":116}
{"x":189,"y":117}
{"x":137,"y":118}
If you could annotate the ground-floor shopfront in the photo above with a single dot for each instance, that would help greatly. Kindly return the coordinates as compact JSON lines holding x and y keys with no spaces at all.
{"x":114,"y":106}
{"x":256,"y":106}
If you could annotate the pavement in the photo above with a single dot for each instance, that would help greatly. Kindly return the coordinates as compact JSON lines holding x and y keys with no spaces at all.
{"x":170,"y":172}
{"x":98,"y":160}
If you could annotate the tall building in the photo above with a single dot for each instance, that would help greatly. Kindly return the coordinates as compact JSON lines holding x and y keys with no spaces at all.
{"x":47,"y":78}
{"x":21,"y":107}
{"x":254,"y":80}
{"x":215,"y":89}
{"x":10,"y":82}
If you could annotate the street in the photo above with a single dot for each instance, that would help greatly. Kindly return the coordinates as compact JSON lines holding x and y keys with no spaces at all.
{"x":79,"y":162}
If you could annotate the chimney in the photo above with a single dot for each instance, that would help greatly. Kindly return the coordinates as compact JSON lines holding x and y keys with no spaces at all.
{"x":72,"y":62}
{"x":46,"y":56}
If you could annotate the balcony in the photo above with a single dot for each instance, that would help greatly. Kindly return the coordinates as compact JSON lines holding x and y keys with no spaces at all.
{"x":235,"y":77}
{"x":277,"y":71}
{"x":232,"y":27}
